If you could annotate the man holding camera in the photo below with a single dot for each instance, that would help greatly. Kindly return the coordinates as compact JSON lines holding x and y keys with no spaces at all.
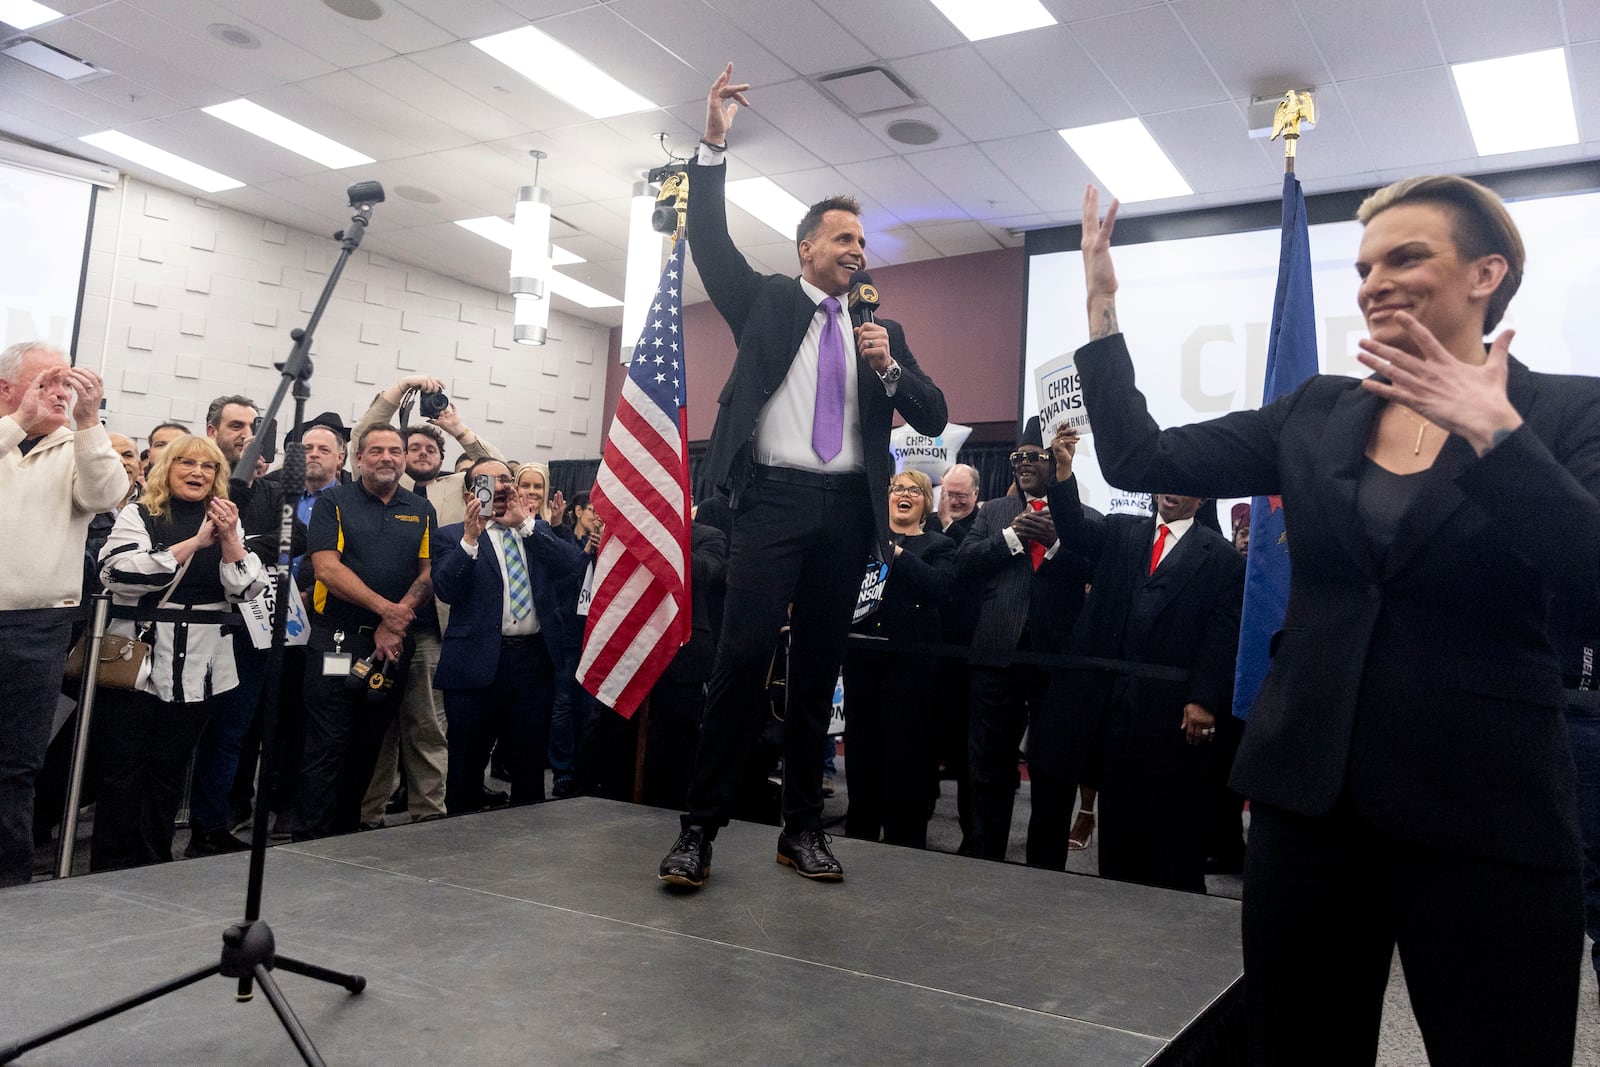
{"x":416,"y":737}
{"x":507,"y":636}
{"x":370,"y":545}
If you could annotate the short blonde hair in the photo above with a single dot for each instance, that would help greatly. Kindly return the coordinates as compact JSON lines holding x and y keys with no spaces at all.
{"x":924,"y":486}
{"x":544,"y":472}
{"x":158,"y":486}
{"x":1483,"y":226}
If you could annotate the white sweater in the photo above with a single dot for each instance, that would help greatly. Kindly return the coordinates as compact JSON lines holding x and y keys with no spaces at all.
{"x":46,"y":501}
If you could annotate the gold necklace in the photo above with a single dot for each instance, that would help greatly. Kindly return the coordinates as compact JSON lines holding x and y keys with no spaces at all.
{"x":1422,"y":427}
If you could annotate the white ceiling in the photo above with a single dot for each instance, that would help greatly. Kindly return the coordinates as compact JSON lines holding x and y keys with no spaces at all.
{"x":409,"y":90}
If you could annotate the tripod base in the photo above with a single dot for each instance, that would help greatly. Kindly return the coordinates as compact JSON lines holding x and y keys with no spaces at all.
{"x":249,"y":953}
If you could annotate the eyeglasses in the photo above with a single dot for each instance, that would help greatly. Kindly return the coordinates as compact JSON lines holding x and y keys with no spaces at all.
{"x":905,"y":490}
{"x":186,"y":464}
{"x":1028,"y":455}
{"x":951,"y":494}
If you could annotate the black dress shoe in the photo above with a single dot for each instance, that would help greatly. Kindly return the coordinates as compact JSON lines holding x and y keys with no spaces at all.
{"x":808,"y":853}
{"x":212,"y":843}
{"x":689,"y":861}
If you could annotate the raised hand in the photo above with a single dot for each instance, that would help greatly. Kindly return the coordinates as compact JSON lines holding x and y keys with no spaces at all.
{"x":1462,"y":398}
{"x":558,"y":507}
{"x":472,"y":523}
{"x":44,"y":401}
{"x":872,"y":344}
{"x":1099,"y":275}
{"x":224,"y":516}
{"x":89,"y":387}
{"x":722,"y":103}
{"x":1064,"y":446}
{"x":449,"y":420}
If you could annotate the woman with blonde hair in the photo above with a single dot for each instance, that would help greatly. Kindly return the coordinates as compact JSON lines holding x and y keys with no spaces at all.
{"x":1406,"y":761}
{"x":180,"y":546}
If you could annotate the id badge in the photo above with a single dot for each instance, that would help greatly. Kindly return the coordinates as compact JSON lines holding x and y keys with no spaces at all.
{"x":336,"y":664}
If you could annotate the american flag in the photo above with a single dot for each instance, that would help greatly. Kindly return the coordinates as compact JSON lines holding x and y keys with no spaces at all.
{"x":639,"y":615}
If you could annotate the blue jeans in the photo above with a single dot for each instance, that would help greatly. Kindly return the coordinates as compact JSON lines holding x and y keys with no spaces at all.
{"x":217,"y":757}
{"x":1583,"y":729}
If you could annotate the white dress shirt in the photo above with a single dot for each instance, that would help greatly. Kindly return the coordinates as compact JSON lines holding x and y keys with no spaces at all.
{"x":1015,"y":543}
{"x":495,"y":532}
{"x":1175,"y":531}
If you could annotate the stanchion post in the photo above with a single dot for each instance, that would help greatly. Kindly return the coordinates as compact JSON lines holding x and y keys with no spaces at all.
{"x":94,"y":637}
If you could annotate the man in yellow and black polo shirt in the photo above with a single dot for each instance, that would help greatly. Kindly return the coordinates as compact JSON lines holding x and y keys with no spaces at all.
{"x":370,"y":545}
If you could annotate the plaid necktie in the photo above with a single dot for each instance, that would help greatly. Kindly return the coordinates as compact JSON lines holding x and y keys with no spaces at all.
{"x":516,"y":576}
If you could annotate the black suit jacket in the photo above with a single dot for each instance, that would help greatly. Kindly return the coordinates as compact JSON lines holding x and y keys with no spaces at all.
{"x":1015,"y":596}
{"x":1184,"y":615}
{"x":1419,"y":682}
{"x":919,"y":586}
{"x":769,"y":315}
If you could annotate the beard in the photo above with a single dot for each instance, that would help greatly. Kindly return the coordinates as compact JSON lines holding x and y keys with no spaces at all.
{"x":420,"y":476}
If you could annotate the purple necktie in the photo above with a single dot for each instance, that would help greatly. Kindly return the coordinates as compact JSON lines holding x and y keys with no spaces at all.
{"x":827,"y":420}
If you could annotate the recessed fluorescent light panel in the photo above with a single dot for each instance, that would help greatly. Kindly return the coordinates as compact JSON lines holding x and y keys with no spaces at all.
{"x":763,"y":199}
{"x":978,"y":20}
{"x":52,"y":61}
{"x":25,"y":14}
{"x":161,"y":161}
{"x":560,"y":71}
{"x":1127,"y":160}
{"x":1518,"y":102}
{"x":501,"y":232}
{"x":286,"y":133}
{"x":578,"y":293}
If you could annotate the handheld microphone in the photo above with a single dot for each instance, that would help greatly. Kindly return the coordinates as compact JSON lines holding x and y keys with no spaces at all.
{"x":863,"y":298}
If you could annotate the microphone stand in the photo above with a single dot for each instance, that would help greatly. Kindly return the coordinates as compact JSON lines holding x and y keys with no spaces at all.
{"x":249,"y":951}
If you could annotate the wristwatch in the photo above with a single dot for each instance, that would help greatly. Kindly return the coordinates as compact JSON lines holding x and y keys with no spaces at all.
{"x":890,"y":376}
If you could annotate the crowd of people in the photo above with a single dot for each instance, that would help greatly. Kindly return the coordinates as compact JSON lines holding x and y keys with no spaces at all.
{"x":1408,"y":763}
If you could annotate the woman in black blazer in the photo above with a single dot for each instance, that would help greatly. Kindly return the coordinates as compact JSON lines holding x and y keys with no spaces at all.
{"x":888,"y":735}
{"x":1406,"y":759}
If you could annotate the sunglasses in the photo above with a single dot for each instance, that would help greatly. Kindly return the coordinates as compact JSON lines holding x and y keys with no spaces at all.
{"x":1028,"y":455}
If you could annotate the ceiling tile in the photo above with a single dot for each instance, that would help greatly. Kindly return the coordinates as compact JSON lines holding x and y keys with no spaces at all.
{"x":958,"y":238}
{"x":1068,"y":11}
{"x":1486,"y":29}
{"x":896,"y":182}
{"x":810,"y":186}
{"x":1583,"y":22}
{"x":968,"y":92}
{"x":1150,"y":59}
{"x":465,"y":18}
{"x":1386,"y":110}
{"x":128,"y":94}
{"x":1048,"y":172}
{"x":1212,"y":149}
{"x":1051,"y":71}
{"x":620,"y":49}
{"x":99,"y":112}
{"x":378,"y":111}
{"x":439,"y":98}
{"x":46,"y":125}
{"x":761,"y":145}
{"x":172,"y":79}
{"x":1361,"y":38}
{"x":1276,"y":55}
{"x":817,"y":123}
{"x":899,"y":244}
{"x":806,"y":36}
{"x":969,"y":178}
{"x":895,"y":28}
{"x":1584,"y":68}
{"x":705,"y":40}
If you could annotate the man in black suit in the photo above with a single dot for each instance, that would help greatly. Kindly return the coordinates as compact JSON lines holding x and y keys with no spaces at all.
{"x":801,"y":447}
{"x":1167,"y":590}
{"x":1033,"y":590}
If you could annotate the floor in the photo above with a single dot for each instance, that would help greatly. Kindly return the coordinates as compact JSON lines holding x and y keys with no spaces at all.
{"x":540,"y":935}
{"x":1400,"y":1041}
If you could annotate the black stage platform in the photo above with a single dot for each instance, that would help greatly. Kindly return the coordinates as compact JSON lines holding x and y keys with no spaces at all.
{"x":541,"y":935}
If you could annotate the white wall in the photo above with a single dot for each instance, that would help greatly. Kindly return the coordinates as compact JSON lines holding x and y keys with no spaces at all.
{"x":185,"y":301}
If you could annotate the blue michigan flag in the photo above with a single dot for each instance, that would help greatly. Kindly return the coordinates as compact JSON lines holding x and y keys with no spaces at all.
{"x":1291,"y":359}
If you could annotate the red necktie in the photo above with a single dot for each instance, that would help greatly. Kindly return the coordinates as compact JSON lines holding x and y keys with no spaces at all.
{"x":1035,"y":549}
{"x":1161,"y":542}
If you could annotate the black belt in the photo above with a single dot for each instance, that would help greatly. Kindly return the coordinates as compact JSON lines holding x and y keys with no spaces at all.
{"x":518,"y":641}
{"x":810,"y":479}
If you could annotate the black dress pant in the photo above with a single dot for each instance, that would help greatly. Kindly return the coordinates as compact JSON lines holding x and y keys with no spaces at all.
{"x":343,"y":734}
{"x":1003,"y":700}
{"x":671,"y":734}
{"x":515,"y":708}
{"x":35,"y":652}
{"x":1491,"y":950}
{"x":889,"y":744}
{"x":796,"y":540}
{"x":140,"y":746}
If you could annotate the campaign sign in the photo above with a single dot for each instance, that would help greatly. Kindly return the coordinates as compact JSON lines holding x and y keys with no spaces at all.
{"x":913,"y":451}
{"x":1060,"y":397}
{"x":258,"y":619}
{"x":872,"y":586}
{"x":1126,"y":503}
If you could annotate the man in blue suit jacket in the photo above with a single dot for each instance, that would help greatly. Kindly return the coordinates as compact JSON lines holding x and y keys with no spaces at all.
{"x":504,"y":643}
